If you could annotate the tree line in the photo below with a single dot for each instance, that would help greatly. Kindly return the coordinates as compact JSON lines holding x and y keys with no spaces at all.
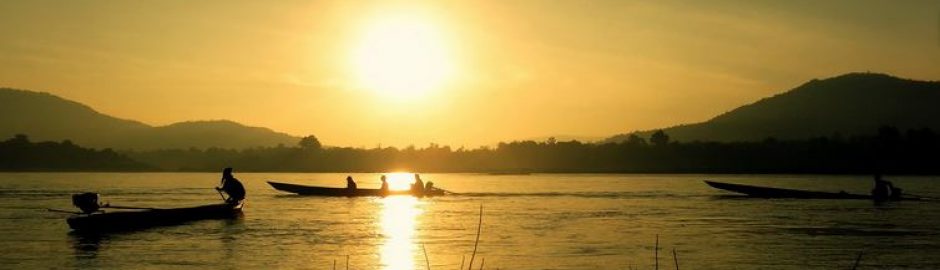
{"x":890,"y":150}
{"x":20,"y":154}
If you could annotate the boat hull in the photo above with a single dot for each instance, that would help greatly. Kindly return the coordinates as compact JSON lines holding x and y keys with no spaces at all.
{"x":132,"y":220}
{"x":768,"y":192}
{"x":344,"y":192}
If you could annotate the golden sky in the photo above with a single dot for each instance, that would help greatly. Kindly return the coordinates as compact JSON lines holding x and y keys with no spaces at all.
{"x":363,"y":73}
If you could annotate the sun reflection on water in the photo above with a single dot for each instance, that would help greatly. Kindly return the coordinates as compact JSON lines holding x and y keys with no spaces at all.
{"x":398,"y":225}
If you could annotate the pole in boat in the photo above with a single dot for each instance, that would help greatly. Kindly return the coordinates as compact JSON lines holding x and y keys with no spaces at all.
{"x":219,"y":190}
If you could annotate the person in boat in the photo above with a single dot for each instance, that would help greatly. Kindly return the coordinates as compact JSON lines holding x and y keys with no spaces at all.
{"x":418,"y":186}
{"x":429,"y":186}
{"x":87,"y":202}
{"x":350,"y":184}
{"x":384,"y":187}
{"x":885,"y":190}
{"x":232,"y":187}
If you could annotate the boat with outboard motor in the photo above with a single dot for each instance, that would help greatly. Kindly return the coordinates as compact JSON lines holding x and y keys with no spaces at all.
{"x":93,"y":219}
{"x":151,"y":217}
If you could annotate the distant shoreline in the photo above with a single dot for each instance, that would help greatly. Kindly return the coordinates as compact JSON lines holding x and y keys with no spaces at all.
{"x":890,"y":152}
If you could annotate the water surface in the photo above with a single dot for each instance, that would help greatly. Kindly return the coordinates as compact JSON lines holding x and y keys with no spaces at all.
{"x":539,"y":221}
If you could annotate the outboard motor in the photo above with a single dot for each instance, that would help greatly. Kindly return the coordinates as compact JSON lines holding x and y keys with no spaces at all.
{"x":87,"y":202}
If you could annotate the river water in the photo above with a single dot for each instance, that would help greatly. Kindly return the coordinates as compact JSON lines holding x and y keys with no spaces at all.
{"x":538,"y":221}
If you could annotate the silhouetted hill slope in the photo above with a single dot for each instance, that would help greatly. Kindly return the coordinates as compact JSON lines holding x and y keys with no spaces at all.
{"x":850,"y":104}
{"x":46,"y":117}
{"x":218,"y":133}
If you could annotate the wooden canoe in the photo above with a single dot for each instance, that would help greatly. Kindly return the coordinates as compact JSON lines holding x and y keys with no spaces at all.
{"x":140,"y":219}
{"x":769,"y":192}
{"x":344,"y":192}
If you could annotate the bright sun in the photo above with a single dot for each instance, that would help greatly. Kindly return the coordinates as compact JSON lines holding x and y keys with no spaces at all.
{"x":401,"y":58}
{"x":400,"y":180}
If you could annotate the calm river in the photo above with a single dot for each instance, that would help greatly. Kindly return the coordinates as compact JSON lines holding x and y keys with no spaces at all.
{"x":539,"y":221}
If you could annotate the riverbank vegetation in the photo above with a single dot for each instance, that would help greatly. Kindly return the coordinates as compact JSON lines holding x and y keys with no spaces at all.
{"x":20,"y":154}
{"x":890,"y":151}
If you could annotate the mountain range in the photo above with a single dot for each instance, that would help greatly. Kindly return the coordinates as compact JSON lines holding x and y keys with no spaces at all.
{"x":46,"y":117}
{"x":848,"y":105}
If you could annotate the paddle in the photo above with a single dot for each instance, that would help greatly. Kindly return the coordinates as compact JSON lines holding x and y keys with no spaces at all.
{"x":108,"y":205}
{"x":63,"y":211}
{"x":103,"y":206}
{"x":446,"y":191}
{"x":926,"y":198}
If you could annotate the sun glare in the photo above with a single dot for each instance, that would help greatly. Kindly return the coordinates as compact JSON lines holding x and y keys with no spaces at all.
{"x":400,"y":180}
{"x":401,"y":58}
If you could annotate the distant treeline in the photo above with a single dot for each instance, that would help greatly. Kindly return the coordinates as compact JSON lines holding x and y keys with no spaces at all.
{"x":19,"y":154}
{"x":890,"y":151}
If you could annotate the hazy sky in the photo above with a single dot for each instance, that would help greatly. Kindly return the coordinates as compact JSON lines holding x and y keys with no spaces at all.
{"x":362,"y":73}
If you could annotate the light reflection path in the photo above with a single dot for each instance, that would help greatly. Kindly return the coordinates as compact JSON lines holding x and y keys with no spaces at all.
{"x":398,"y":226}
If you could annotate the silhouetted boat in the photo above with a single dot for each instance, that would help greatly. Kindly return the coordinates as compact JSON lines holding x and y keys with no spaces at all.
{"x":139,"y":219}
{"x":344,"y":192}
{"x":769,"y":192}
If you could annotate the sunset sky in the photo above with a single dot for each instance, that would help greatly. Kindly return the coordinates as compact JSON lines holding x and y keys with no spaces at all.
{"x":461,"y":73}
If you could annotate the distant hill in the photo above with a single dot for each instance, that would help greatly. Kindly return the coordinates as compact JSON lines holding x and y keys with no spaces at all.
{"x":46,"y":117}
{"x":219,"y":133}
{"x":850,"y":104}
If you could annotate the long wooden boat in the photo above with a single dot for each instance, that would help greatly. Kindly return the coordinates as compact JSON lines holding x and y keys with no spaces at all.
{"x":769,"y":192}
{"x":345,"y":192}
{"x":139,"y":219}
